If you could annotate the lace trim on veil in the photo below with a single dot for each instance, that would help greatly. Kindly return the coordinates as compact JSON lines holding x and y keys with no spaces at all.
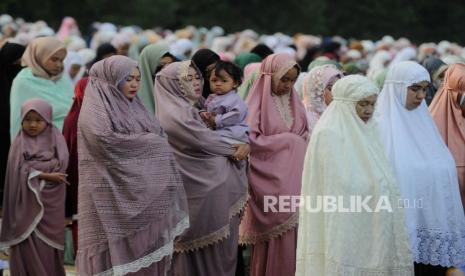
{"x":149,"y":259}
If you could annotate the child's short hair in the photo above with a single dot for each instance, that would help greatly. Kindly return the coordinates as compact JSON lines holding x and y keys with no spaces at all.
{"x":230,"y":68}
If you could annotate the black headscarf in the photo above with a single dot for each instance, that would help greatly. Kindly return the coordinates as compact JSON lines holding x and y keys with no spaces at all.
{"x":202,"y":59}
{"x":10,"y":66}
{"x":10,"y":53}
{"x":310,"y":56}
{"x":432,"y":64}
{"x":262,"y":50}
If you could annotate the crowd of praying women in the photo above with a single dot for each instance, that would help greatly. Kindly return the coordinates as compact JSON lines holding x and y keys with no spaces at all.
{"x":160,"y":152}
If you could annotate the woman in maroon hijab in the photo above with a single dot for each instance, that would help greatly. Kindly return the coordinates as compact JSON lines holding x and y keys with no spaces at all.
{"x":70,"y":133}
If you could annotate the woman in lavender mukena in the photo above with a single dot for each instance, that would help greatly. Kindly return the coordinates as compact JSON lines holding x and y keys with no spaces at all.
{"x":132,"y":203}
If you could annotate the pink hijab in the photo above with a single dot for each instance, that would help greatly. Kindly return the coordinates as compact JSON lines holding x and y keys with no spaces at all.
{"x":68,"y":28}
{"x":277,"y":153}
{"x":250,"y":68}
{"x":447,"y":113}
{"x":32,"y":205}
{"x":313,"y":90}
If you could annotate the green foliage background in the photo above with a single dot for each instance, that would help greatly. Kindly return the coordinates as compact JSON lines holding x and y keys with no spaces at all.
{"x":418,"y":20}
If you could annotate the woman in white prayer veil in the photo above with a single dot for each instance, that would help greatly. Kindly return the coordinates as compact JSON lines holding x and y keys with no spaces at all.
{"x":74,"y":66}
{"x":345,"y":160}
{"x":425,"y":170}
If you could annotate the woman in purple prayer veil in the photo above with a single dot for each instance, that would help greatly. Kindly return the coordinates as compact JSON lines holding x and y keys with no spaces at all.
{"x":214,"y":176}
{"x":132,"y":204}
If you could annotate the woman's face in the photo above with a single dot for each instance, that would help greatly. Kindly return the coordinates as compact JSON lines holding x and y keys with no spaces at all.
{"x":462,"y":108}
{"x":460,"y":103}
{"x":166,"y":60}
{"x":123,"y":50}
{"x":131,"y":84}
{"x":286,"y":82}
{"x":415,"y":95}
{"x":365,"y":107}
{"x":327,"y":94}
{"x":438,"y":82}
{"x":33,"y":124}
{"x":194,"y":82}
{"x":74,"y":70}
{"x":54,"y":64}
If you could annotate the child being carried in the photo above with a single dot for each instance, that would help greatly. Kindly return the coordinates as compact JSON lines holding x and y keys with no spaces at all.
{"x":226,"y":112}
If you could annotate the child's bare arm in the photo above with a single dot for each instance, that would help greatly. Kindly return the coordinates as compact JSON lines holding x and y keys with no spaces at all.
{"x":209,"y":119}
{"x":54,"y":177}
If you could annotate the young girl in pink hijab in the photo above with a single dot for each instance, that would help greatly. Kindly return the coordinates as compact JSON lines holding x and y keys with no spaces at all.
{"x":33,"y":216}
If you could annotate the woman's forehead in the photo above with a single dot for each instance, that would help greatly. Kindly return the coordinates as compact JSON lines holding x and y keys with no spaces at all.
{"x":192,"y":71}
{"x":421,"y":84}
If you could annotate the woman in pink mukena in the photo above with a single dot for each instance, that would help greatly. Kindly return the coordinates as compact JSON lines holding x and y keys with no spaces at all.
{"x":33,"y":224}
{"x":214,"y":176}
{"x":448,"y":112}
{"x":278,"y":141}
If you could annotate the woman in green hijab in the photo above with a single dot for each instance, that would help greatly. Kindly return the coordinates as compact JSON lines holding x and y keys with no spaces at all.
{"x":41,"y":78}
{"x":151,"y":60}
{"x":244,"y":59}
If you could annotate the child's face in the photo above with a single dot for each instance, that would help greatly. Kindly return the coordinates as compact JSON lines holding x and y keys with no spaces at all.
{"x":33,"y":124}
{"x":222,"y":83}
